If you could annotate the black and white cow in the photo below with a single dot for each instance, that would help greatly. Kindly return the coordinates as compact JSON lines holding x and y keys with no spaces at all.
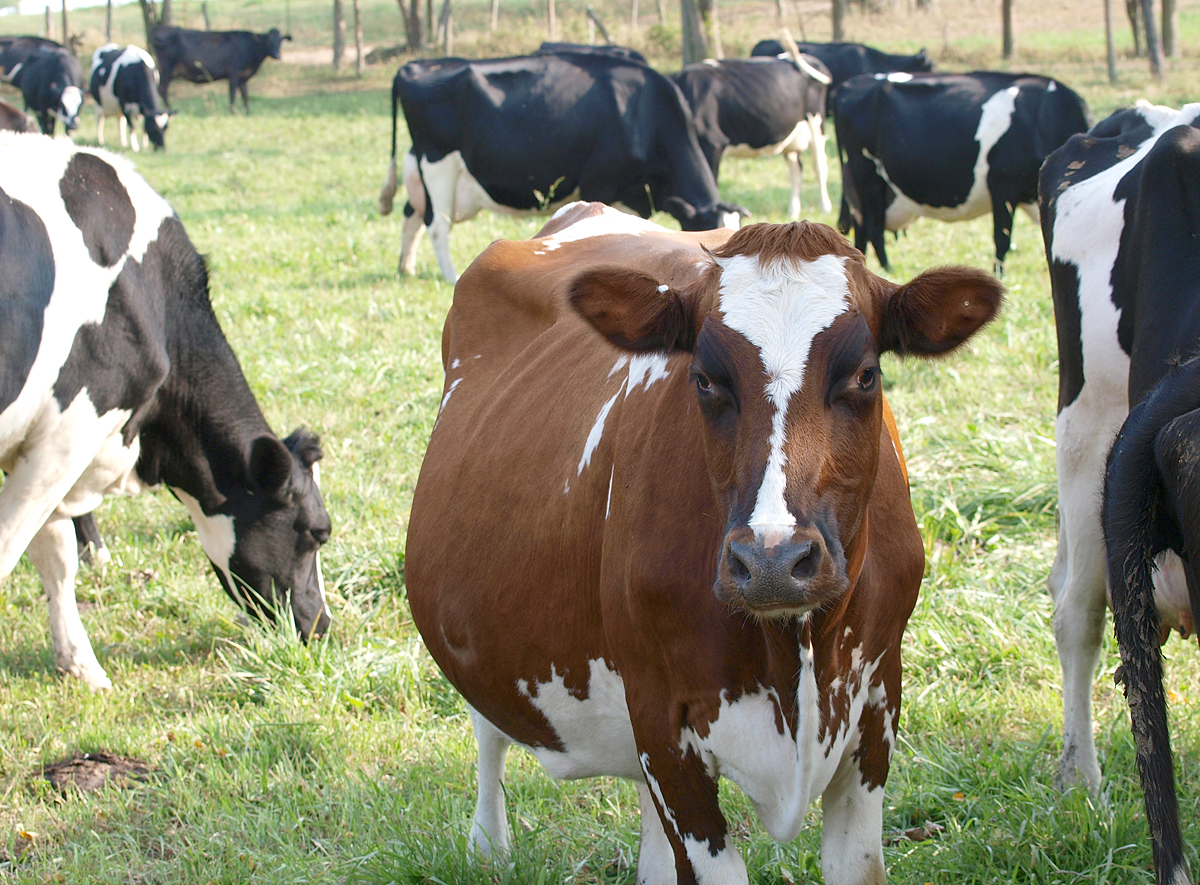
{"x":14,"y":51}
{"x":13,"y":119}
{"x":761,"y":107}
{"x":846,"y":60}
{"x":553,"y":47}
{"x":51,"y":82}
{"x":948,"y":146}
{"x":124,"y":84}
{"x":1120,"y":210}
{"x":205,"y":56}
{"x":117,"y":377}
{"x":530,"y":133}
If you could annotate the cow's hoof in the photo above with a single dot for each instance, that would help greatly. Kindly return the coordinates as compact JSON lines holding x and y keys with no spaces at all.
{"x":92,"y":676}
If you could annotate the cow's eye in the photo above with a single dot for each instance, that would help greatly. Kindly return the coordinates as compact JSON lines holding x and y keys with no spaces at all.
{"x":868,"y":378}
{"x":703,"y":382}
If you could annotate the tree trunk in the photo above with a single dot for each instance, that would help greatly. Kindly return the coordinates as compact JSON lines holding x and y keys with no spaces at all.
{"x":1006,"y":16}
{"x":1134,"y":11}
{"x":1170,"y":27}
{"x":694,"y":47}
{"x":358,"y":40}
{"x":66,"y":38}
{"x":495,"y":23}
{"x":633,"y":16}
{"x":430,"y":26}
{"x":1110,"y":45}
{"x":207,"y":20}
{"x":412,"y":23}
{"x":595,"y":22}
{"x":108,"y":22}
{"x":339,"y":34}
{"x":50,"y":25}
{"x":714,"y":29}
{"x":551,"y":21}
{"x":1153,"y":43}
{"x":838,"y":13}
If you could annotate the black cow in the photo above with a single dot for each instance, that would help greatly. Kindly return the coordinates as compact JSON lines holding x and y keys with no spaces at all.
{"x":554,"y":48}
{"x":846,"y":60}
{"x":117,"y":377}
{"x":14,"y":51}
{"x":124,"y":84}
{"x":1121,"y":216}
{"x":51,"y":82}
{"x":761,"y":107}
{"x":947,"y":146}
{"x":13,"y":119}
{"x":205,"y":56}
{"x":527,"y":134}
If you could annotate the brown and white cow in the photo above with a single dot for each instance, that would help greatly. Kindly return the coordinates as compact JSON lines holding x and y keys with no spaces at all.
{"x":685,"y":551}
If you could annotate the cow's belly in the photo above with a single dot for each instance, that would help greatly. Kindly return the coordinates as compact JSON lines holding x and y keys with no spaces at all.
{"x":797,"y":141}
{"x":904,"y":209}
{"x":782,"y":773}
{"x":449,"y":179}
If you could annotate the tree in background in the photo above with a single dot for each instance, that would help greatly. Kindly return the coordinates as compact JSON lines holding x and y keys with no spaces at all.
{"x":339,"y":34}
{"x":153,"y":15}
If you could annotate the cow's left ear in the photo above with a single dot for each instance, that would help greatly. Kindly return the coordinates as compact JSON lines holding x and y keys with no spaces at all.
{"x":270,"y":464}
{"x":938,"y":310}
{"x":635,"y":312}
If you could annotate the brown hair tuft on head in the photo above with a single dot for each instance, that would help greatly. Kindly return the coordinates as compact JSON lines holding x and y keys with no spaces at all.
{"x":798,"y":241}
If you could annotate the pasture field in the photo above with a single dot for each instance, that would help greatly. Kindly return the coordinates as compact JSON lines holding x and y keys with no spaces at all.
{"x":351,"y":760}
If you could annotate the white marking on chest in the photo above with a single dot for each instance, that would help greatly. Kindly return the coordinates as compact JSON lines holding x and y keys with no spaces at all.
{"x":216,"y":533}
{"x":994,"y":120}
{"x":595,"y":732}
{"x":780,"y":308}
{"x":445,"y":399}
{"x":899,"y":77}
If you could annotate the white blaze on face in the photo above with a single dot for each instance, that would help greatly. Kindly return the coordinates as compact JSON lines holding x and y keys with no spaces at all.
{"x":780,"y":308}
{"x":216,"y":534}
{"x":72,"y":98}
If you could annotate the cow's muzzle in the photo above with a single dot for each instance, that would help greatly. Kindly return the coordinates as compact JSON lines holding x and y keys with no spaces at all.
{"x":780,"y":574}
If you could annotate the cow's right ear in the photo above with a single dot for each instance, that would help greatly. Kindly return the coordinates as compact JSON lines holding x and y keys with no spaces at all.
{"x":270,"y":464}
{"x":635,"y":312}
{"x":938,"y":310}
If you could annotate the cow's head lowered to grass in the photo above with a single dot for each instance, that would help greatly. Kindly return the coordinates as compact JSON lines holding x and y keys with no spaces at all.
{"x":785,"y":329}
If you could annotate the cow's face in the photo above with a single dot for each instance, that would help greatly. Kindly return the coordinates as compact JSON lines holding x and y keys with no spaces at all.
{"x":69,"y":103}
{"x":275,"y":42}
{"x":156,"y":128}
{"x":265,"y":540}
{"x":785,"y":330}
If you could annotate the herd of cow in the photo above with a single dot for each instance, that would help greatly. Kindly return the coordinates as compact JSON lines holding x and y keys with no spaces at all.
{"x":730,"y":599}
{"x":125,"y":83}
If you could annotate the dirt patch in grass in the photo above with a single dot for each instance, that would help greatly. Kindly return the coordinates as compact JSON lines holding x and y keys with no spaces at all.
{"x":88,"y":772}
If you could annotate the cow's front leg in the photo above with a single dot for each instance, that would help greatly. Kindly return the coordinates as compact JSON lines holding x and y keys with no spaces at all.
{"x":54,"y":553}
{"x":99,"y":127}
{"x":852,"y":830}
{"x":685,"y":797}
{"x":489,"y":829}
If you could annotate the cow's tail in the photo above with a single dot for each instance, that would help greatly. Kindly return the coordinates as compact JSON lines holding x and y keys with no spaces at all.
{"x":789,"y":46}
{"x":390,"y":184}
{"x":1133,"y":517}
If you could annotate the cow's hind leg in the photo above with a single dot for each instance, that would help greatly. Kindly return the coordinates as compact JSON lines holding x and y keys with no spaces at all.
{"x":99,"y":127}
{"x":656,"y":859}
{"x":489,"y":830}
{"x":852,"y":831}
{"x":55,"y":556}
{"x":441,"y":186}
{"x":816,"y":128}
{"x":794,"y":172}
{"x":410,"y":237}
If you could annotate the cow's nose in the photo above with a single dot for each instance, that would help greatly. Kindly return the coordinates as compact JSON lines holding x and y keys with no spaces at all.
{"x":776,"y":576}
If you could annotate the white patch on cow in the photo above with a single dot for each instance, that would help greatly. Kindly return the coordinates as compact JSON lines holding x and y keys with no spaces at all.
{"x":994,"y":120}
{"x":656,"y":858}
{"x":1051,"y":86}
{"x":445,"y":399}
{"x":72,"y":100}
{"x":595,"y":732}
{"x":899,"y":77}
{"x":729,"y":220}
{"x":216,"y":533}
{"x":455,"y":364}
{"x":645,"y":369}
{"x":608,"y":502}
{"x":798,"y":140}
{"x":608,"y":221}
{"x":780,"y":308}
{"x":489,"y":829}
{"x":621,"y":362}
{"x":664,"y":288}
{"x":595,"y":434}
{"x":711,"y":62}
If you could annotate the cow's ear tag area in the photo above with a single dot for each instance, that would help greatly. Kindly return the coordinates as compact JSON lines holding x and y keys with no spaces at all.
{"x":633,"y":311}
{"x":270,"y":464}
{"x":938,"y":310}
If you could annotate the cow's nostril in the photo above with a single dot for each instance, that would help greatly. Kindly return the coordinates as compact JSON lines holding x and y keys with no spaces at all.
{"x":738,"y":570}
{"x":805,"y":563}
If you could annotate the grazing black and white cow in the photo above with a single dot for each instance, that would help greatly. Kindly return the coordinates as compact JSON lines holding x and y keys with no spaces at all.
{"x":846,"y":60}
{"x":13,"y":119}
{"x":948,"y":146}
{"x":124,"y":84}
{"x":761,"y":107}
{"x":51,"y":82}
{"x":530,"y":133}
{"x":205,"y":56}
{"x":117,"y":377}
{"x":1120,"y":216}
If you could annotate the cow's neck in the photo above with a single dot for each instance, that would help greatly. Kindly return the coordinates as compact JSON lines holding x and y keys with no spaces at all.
{"x":204,"y":420}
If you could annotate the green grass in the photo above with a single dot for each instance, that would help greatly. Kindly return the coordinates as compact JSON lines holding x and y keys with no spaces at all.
{"x":351,"y":760}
